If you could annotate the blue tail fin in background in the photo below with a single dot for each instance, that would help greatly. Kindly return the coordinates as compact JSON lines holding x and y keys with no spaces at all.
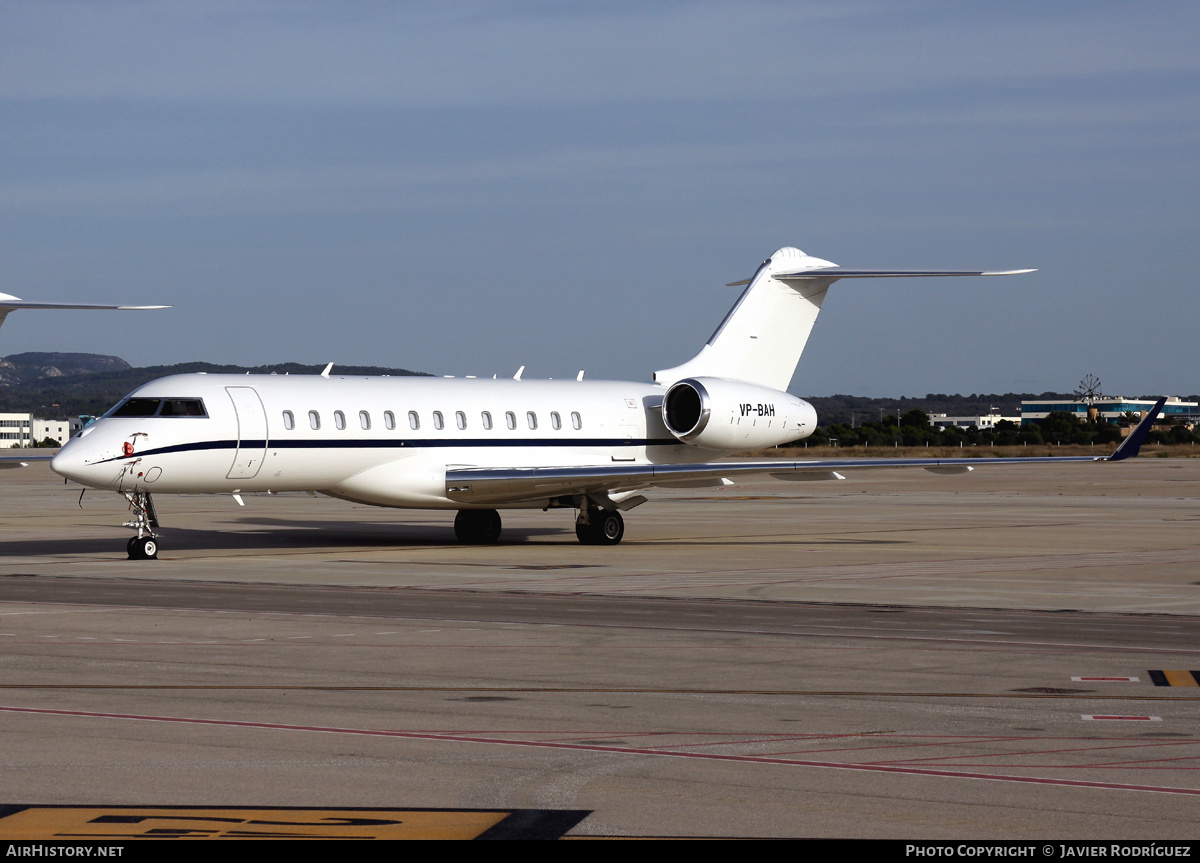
{"x":1132,"y":444}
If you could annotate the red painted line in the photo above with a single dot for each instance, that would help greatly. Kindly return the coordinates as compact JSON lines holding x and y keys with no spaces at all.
{"x":957,"y":741}
{"x":1041,"y":751}
{"x":1146,"y":761}
{"x":1133,"y":765}
{"x":610,"y":750}
{"x":731,"y":740}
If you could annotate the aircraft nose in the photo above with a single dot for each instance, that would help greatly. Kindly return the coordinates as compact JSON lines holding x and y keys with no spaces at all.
{"x":71,"y":460}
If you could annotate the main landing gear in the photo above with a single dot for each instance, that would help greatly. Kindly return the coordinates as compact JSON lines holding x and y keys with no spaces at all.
{"x":144,"y":546}
{"x":477,"y":526}
{"x":600,"y":527}
{"x":595,"y":526}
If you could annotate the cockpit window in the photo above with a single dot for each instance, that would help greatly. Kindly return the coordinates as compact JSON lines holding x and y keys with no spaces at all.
{"x":182,"y":408}
{"x":137,"y":408}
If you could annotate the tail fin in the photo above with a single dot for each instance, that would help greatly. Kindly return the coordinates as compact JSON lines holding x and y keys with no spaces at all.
{"x":1130,"y":447}
{"x":762,"y":337}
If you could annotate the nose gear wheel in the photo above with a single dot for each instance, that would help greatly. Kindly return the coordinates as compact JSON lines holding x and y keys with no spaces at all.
{"x":144,"y":546}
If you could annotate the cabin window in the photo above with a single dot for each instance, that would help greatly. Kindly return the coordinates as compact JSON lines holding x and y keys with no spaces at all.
{"x":389,"y":420}
{"x":438,"y":422}
{"x":510,"y":419}
{"x":314,"y":420}
{"x":460,"y":419}
{"x":576,"y":420}
{"x":364,"y":420}
{"x":487,"y":420}
{"x":289,"y":421}
{"x":555,"y":420}
{"x":414,"y":421}
{"x":339,"y":420}
{"x":531,"y":418}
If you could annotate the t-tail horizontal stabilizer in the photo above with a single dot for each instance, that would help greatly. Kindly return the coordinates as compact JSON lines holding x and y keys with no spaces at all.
{"x":1132,"y":444}
{"x":847,"y":273}
{"x":762,"y":337}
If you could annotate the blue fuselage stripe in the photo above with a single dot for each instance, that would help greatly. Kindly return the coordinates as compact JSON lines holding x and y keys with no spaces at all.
{"x":383,"y":443}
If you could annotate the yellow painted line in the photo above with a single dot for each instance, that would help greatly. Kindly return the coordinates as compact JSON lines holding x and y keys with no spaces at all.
{"x":118,"y":824}
{"x":1180,"y":678}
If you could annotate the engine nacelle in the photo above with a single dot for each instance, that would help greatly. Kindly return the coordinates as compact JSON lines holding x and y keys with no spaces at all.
{"x":714,"y":413}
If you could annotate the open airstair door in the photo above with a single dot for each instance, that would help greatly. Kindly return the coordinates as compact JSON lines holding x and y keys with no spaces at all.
{"x":252,"y":433}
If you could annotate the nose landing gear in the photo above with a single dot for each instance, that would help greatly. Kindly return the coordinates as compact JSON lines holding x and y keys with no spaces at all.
{"x":144,"y":546}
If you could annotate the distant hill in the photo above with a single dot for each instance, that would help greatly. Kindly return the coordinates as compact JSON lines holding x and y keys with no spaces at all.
{"x":22,"y":369}
{"x":60,"y":384}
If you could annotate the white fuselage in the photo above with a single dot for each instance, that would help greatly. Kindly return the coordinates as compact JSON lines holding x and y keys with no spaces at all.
{"x":386,"y":441}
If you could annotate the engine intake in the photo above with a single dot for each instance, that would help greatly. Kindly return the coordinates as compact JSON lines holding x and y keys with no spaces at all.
{"x":715,"y":413}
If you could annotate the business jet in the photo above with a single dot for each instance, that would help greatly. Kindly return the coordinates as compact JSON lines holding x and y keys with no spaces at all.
{"x":478,"y":446}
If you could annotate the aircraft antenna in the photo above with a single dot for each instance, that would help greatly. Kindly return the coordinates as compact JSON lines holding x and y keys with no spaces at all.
{"x":520,"y":372}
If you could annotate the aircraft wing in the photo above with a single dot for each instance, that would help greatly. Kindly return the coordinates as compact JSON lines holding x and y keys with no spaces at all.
{"x":483,"y":485}
{"x":15,"y":461}
{"x":9,"y":303}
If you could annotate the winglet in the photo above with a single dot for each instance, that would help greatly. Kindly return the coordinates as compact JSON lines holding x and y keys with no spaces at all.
{"x":1132,"y":444}
{"x":328,"y":369}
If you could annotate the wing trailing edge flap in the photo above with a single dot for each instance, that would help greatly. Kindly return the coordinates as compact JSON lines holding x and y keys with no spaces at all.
{"x":512,"y":485}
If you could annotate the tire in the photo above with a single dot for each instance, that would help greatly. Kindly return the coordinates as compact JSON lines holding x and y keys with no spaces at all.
{"x":609,"y":526}
{"x":144,"y":548}
{"x":477,"y":526}
{"x":489,"y":527}
{"x":604,"y":527}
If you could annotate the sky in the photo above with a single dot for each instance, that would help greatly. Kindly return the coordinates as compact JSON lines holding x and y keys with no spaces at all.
{"x":468,"y":187}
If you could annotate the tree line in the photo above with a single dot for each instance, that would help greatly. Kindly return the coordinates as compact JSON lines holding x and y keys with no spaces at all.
{"x":912,"y":429}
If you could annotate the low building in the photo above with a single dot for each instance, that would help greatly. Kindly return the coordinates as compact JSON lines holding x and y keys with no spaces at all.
{"x":1111,"y":409}
{"x":23,"y":430}
{"x":59,"y":430}
{"x":16,"y":429}
{"x":984,"y":422}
